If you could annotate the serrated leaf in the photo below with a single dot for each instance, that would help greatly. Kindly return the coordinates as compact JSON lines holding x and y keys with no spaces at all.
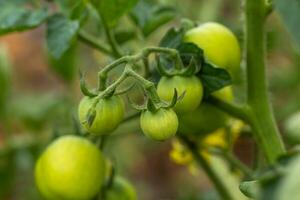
{"x":290,"y":13}
{"x":112,"y":10}
{"x":213,"y":78}
{"x":60,"y":34}
{"x":15,"y":18}
{"x":149,"y":16}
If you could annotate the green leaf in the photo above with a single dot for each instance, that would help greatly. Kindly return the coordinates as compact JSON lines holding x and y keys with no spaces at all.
{"x":250,"y":188}
{"x":5,"y":76}
{"x":213,"y":78}
{"x":65,"y":66}
{"x":112,"y":10}
{"x":61,"y":33}
{"x":290,"y":13}
{"x":124,"y":36}
{"x":15,"y":18}
{"x":150,"y":16}
{"x":74,"y":9}
{"x":172,"y":39}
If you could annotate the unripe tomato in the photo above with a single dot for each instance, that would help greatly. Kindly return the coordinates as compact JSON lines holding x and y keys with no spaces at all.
{"x":192,"y":87}
{"x":70,"y":168}
{"x":121,"y":189}
{"x":109,"y":114}
{"x":292,"y":128}
{"x":206,"y":118}
{"x":220,"y":45}
{"x":159,"y":125}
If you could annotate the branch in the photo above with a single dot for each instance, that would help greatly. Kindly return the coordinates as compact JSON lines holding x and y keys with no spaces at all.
{"x":263,"y":123}
{"x":231,"y":109}
{"x":93,"y":42}
{"x":224,"y":193}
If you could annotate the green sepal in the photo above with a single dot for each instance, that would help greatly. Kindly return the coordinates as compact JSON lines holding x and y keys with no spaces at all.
{"x":191,"y":69}
{"x":91,"y":116}
{"x":151,"y":106}
{"x":83,"y":87}
{"x":136,"y":106}
{"x":161,"y":70}
{"x":125,"y":90}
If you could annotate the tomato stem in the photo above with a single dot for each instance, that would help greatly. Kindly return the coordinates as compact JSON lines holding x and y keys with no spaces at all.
{"x":141,"y":56}
{"x":93,"y":42}
{"x":262,"y":119}
{"x":220,"y":187}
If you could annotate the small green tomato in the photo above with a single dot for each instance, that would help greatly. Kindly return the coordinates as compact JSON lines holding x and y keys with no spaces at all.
{"x":121,"y":189}
{"x":219,"y":44}
{"x":109,"y":114}
{"x":192,"y":87}
{"x":205,"y":118}
{"x":159,"y":125}
{"x":71,"y":168}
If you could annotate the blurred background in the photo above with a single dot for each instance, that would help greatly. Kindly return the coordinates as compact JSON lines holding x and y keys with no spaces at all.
{"x":39,"y":98}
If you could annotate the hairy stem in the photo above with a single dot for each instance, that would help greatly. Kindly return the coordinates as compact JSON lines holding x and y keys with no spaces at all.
{"x":263,"y":123}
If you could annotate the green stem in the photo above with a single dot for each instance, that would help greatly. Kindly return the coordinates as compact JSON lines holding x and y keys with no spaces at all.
{"x":263,"y":123}
{"x":233,"y":160}
{"x":93,"y":42}
{"x":112,"y":41}
{"x":234,"y":110}
{"x":222,"y":190}
{"x":132,"y":60}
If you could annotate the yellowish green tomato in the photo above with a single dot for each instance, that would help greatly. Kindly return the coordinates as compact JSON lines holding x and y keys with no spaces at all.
{"x":220,"y":45}
{"x":206,"y":118}
{"x":109,"y":114}
{"x":192,"y":87}
{"x":71,"y":168}
{"x":159,"y":125}
{"x":121,"y":189}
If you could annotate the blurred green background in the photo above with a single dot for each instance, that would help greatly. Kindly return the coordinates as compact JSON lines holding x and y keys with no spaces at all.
{"x":40,"y":97}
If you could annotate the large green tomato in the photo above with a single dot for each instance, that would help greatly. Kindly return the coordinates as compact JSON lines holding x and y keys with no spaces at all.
{"x":159,"y":125}
{"x":121,"y":189}
{"x":192,"y":87}
{"x":292,"y":128}
{"x":206,"y":118}
{"x":220,"y":45}
{"x":71,"y":168}
{"x":109,"y":114}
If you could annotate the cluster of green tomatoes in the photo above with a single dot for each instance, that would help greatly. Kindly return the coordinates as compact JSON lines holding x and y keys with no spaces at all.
{"x":73,"y":168}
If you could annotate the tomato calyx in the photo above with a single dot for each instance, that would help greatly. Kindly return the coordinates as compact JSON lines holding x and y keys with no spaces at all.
{"x":191,"y":69}
{"x":155,"y":106}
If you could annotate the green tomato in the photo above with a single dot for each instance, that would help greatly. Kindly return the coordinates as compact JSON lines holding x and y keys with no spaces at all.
{"x":71,"y":168}
{"x":206,"y":118}
{"x":121,"y":189}
{"x":292,"y":128}
{"x":192,"y":87}
{"x":220,"y":45}
{"x":159,"y":125}
{"x":109,"y":114}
